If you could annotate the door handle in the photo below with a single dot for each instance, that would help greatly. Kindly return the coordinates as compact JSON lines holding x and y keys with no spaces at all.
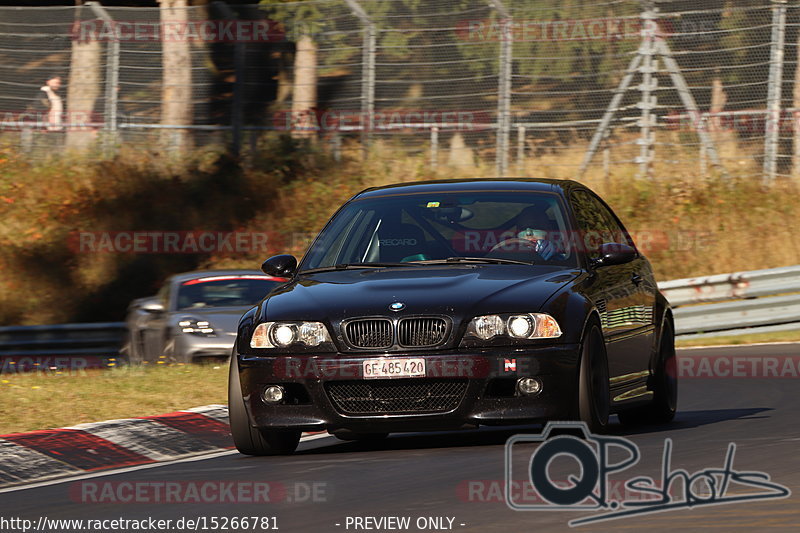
{"x":636,"y":278}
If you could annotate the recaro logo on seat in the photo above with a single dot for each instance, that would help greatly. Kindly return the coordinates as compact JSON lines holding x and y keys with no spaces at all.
{"x":398,"y":242}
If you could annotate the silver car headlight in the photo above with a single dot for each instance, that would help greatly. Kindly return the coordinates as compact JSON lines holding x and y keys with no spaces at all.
{"x":285,"y":334}
{"x":514,"y":326}
{"x":196,"y":326}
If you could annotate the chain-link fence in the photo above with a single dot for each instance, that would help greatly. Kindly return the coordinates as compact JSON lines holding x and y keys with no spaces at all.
{"x":551,"y":88}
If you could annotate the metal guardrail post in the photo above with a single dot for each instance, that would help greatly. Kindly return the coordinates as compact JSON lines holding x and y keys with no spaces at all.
{"x":367,"y":74}
{"x":647,"y":103}
{"x":774,"y":86}
{"x":112,"y":78}
{"x":239,"y":68}
{"x":434,"y":148}
{"x":504,"y":88}
{"x":336,"y":145}
{"x":369,"y":89}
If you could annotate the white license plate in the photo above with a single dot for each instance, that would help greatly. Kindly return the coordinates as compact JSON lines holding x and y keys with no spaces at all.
{"x":394,"y":368}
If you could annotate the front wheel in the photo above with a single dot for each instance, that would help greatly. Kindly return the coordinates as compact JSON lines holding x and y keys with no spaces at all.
{"x":593,"y":402}
{"x":664,"y":404}
{"x":250,"y":440}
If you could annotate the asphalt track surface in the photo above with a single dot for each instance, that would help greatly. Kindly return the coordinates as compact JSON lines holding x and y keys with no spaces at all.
{"x":460,"y":474}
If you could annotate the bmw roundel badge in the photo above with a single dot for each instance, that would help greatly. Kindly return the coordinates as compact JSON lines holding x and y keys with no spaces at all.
{"x":397,"y":306}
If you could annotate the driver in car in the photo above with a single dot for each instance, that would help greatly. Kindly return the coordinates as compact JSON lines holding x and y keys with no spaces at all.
{"x":533,"y":227}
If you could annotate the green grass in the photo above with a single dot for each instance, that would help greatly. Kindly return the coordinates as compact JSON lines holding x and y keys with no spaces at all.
{"x":56,"y":399}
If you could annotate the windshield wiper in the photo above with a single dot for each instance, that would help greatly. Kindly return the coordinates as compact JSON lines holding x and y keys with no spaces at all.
{"x":352,"y":266}
{"x":487,"y":260}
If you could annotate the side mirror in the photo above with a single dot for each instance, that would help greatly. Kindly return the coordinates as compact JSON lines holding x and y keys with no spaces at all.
{"x":614,"y":253}
{"x":281,"y":266}
{"x":151,"y":305}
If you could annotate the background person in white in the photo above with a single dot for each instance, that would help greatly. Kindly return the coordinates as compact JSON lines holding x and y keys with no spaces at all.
{"x":48,"y":100}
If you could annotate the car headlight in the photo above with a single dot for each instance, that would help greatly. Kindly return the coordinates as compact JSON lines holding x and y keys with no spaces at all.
{"x":196,"y":327}
{"x":515,"y":326}
{"x":486,"y":327}
{"x":285,"y":334}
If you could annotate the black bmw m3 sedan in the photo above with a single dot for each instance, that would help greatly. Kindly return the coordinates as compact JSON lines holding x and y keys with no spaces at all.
{"x":455,"y":304}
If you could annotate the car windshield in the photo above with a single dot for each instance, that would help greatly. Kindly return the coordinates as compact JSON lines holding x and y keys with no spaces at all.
{"x":420,"y":228}
{"x":224,"y":291}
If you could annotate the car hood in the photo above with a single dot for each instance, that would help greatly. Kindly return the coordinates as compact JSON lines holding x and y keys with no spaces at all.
{"x":222,"y":319}
{"x":455,"y":291}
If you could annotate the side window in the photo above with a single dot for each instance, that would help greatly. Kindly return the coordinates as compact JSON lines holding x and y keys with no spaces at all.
{"x":348,"y":241}
{"x":618,"y":232}
{"x":163,"y":295}
{"x":596,"y":222}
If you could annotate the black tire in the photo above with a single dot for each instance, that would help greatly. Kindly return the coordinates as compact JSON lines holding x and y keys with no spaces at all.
{"x":126,"y":352}
{"x":250,"y":440}
{"x":172,"y":357}
{"x":129,"y":351}
{"x":593,"y":402}
{"x":663,"y":406}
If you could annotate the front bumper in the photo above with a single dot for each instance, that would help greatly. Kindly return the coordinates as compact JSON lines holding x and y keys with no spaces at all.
{"x":190,"y":347}
{"x":489,"y":375}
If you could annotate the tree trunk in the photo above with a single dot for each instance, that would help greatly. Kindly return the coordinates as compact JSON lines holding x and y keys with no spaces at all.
{"x":83,"y":89}
{"x":176,"y":90}
{"x":304,"y":94}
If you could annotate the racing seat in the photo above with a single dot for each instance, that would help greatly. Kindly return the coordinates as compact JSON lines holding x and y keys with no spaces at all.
{"x":401,"y":242}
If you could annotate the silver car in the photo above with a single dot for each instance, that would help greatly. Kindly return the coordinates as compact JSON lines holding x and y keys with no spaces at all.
{"x":194,"y":316}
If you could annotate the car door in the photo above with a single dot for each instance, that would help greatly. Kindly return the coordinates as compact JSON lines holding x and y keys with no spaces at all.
{"x":638,"y":311}
{"x":624,"y":293}
{"x":154,"y":324}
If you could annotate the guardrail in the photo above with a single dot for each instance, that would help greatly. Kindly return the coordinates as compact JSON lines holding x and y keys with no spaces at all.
{"x":90,"y":345}
{"x":756,"y":301}
{"x":720,"y":287}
